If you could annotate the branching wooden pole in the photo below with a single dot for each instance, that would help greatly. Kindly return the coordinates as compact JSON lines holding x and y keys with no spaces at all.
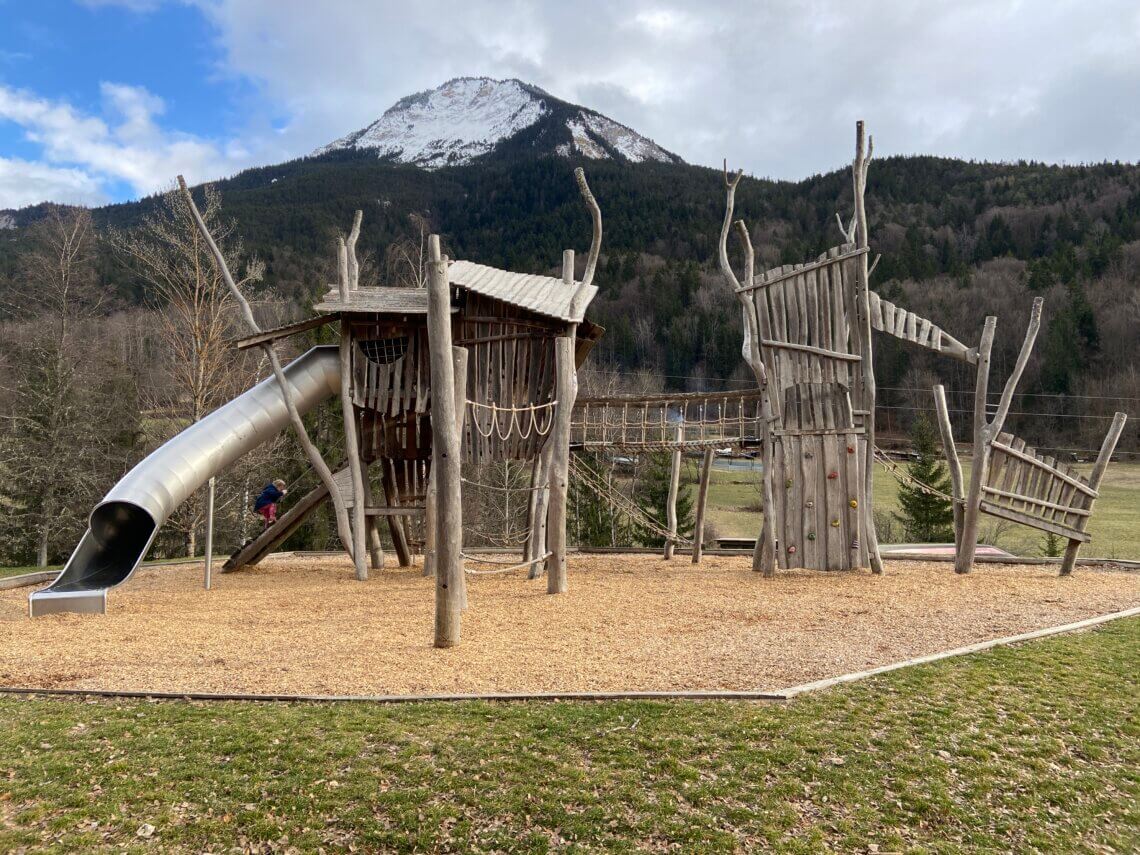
{"x":344,"y":530}
{"x":445,"y":455}
{"x":764,"y":554}
{"x":353,"y":264}
{"x":986,"y":430}
{"x":964,"y":559}
{"x":955,"y":465}
{"x":863,"y":318}
{"x":702,"y":501}
{"x":1106,"y":449}
{"x":595,"y":242}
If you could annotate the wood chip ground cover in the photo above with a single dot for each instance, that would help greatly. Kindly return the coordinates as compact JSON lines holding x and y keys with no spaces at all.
{"x":630,"y":622}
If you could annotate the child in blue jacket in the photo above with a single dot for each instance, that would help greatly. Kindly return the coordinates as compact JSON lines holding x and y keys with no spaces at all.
{"x":266,"y":504}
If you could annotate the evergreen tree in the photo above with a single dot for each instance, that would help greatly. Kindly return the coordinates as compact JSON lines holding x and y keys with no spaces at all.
{"x":653,"y":498}
{"x":925,"y":517}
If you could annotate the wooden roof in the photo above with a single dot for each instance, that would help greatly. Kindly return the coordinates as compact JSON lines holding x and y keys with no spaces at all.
{"x":383,"y":301}
{"x":544,"y":295}
{"x":280,"y":332}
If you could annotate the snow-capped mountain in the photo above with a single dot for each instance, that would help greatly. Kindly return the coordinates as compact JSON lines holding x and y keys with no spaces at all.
{"x":471,"y":117}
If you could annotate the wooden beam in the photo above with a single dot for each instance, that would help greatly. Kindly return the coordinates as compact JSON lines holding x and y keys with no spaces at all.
{"x":566,"y":387}
{"x":955,"y":465}
{"x":1032,"y":521}
{"x":392,"y":497}
{"x":1052,"y":470}
{"x":807,"y":348}
{"x":674,"y":488}
{"x":278,"y":333}
{"x":761,"y":282}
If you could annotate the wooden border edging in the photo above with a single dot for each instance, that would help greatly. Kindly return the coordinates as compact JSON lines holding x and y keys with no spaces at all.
{"x":792,"y":691}
{"x":713,"y":695}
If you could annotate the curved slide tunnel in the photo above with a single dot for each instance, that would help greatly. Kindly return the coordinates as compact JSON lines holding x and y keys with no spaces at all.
{"x":123,"y":525}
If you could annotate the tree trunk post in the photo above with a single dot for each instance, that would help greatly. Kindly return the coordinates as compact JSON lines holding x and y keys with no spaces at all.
{"x":459,"y":372}
{"x":566,"y":384}
{"x":431,"y":506}
{"x":1106,"y":449}
{"x":392,"y":499}
{"x":952,"y":461}
{"x":702,"y":501}
{"x":674,"y":488}
{"x":208,"y":569}
{"x":352,"y":451}
{"x":445,"y":455}
{"x":537,"y":544}
{"x":964,"y":560}
{"x":375,"y":547}
{"x":863,"y":318}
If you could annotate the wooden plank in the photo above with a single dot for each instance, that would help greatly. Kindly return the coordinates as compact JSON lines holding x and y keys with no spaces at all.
{"x":809,"y":477}
{"x":281,"y":332}
{"x":1033,"y":461}
{"x":816,"y":351}
{"x":853,"y":530}
{"x":1032,"y":521}
{"x":834,"y":503}
{"x":1031,"y":500}
{"x":772,"y":277}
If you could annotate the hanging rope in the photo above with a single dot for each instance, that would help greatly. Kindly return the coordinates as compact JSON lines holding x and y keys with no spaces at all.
{"x":904,"y":477}
{"x":509,"y":569}
{"x":521,"y":421}
{"x":618,"y":501}
{"x":501,"y":489}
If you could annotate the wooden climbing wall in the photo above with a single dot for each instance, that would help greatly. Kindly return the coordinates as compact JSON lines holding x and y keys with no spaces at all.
{"x":810,"y":342}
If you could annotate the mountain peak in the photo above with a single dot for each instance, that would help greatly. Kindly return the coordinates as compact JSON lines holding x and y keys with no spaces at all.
{"x":471,"y":117}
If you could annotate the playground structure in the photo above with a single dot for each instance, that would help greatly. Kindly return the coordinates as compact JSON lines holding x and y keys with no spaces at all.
{"x":480,"y":366}
{"x":808,"y":340}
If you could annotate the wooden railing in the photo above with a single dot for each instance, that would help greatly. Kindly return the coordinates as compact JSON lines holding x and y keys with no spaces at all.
{"x":652,"y":421}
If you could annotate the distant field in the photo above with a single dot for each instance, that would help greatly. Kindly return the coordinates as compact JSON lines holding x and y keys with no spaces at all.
{"x":734,"y":498}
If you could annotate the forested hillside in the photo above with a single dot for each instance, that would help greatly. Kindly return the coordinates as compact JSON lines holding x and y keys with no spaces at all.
{"x":958,"y":241}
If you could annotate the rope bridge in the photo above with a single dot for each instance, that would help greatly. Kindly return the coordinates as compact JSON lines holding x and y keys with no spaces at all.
{"x":651,"y":421}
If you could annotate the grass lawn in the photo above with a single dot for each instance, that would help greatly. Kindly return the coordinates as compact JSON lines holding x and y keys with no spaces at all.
{"x":735,"y":495}
{"x":19,"y":571}
{"x":1035,"y":748}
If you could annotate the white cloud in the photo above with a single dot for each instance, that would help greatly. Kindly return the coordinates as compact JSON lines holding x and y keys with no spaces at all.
{"x":775,"y":86}
{"x":24,"y":182}
{"x":124,"y":144}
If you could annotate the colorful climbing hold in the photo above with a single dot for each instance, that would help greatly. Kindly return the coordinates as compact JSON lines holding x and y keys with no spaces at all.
{"x":854,"y":503}
{"x":831,"y":476}
{"x":811,"y":535}
{"x":850,"y":449}
{"x":792,"y":550}
{"x":788,"y":483}
{"x":835,"y":523}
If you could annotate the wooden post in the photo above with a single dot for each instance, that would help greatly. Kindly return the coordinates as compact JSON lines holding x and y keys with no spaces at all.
{"x":964,"y":558}
{"x":430,"y":515}
{"x":702,"y":500}
{"x":952,"y":461}
{"x":344,"y":529}
{"x":674,"y":488}
{"x":375,"y":547}
{"x":566,"y":384}
{"x":352,"y":452}
{"x":392,"y":498}
{"x":1106,"y":449}
{"x":209,"y":533}
{"x":445,"y":455}
{"x":537,"y":544}
{"x":459,"y":372}
{"x":863,"y":318}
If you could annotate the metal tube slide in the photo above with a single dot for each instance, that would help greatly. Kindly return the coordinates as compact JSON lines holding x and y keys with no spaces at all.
{"x":123,"y":525}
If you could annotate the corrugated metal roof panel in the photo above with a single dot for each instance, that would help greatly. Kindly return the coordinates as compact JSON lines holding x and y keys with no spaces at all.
{"x":544,"y":295}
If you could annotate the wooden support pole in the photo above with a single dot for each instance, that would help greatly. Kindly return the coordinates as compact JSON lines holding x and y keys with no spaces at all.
{"x":1106,"y":449}
{"x":352,"y":452}
{"x":702,"y":500}
{"x":952,"y":461}
{"x":964,"y":558}
{"x":395,"y":523}
{"x":459,"y":372}
{"x":375,"y":547}
{"x":208,"y":570}
{"x":445,"y":455}
{"x":343,"y":527}
{"x":566,"y":383}
{"x":538,"y":546}
{"x":674,"y":488}
{"x":431,"y":505}
{"x":863,"y":155}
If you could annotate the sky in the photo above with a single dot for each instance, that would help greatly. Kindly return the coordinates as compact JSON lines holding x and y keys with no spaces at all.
{"x":108,"y":100}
